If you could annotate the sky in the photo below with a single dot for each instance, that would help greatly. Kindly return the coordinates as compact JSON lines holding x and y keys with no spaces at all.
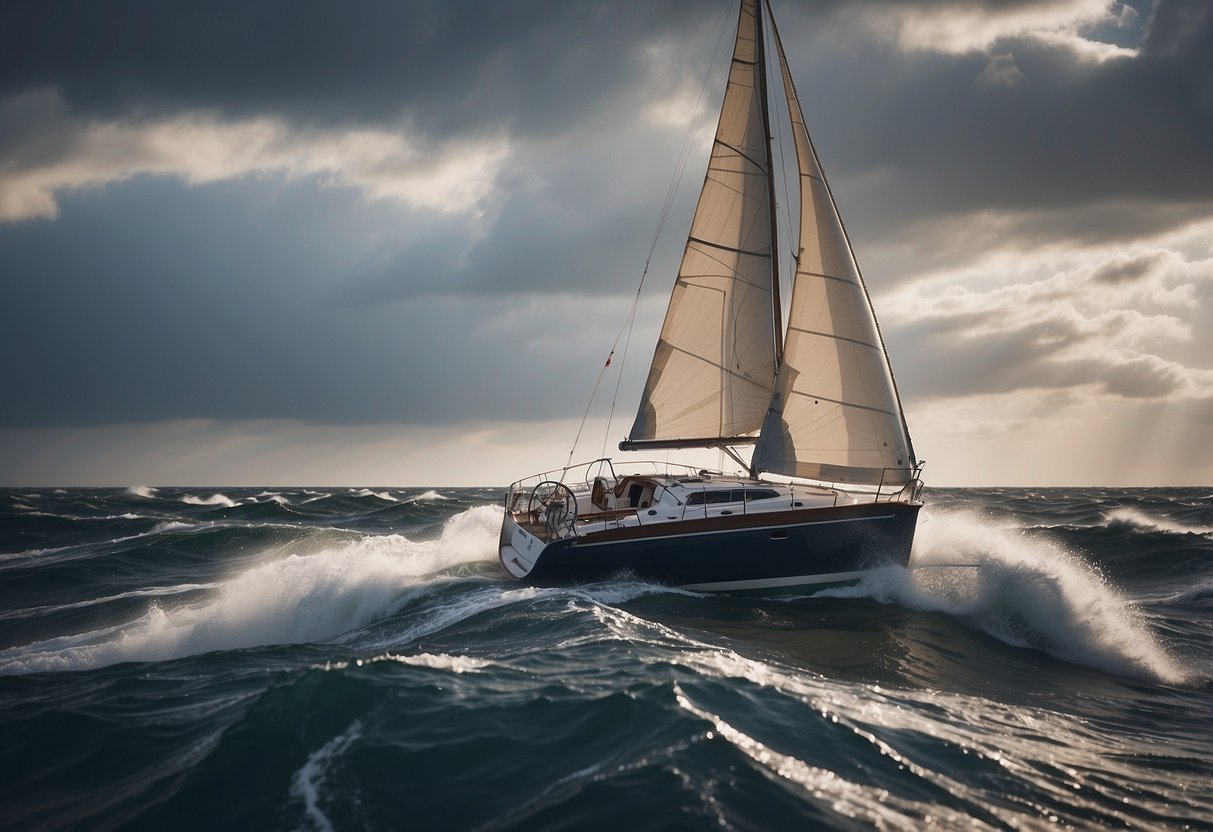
{"x":392,"y":243}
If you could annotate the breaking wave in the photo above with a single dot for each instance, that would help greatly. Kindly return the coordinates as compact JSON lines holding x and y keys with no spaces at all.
{"x":298,"y":598}
{"x":1025,"y":591}
{"x":1147,"y":522}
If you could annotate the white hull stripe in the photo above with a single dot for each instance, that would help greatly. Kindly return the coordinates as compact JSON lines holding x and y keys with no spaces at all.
{"x":774,"y":583}
{"x":718,"y":532}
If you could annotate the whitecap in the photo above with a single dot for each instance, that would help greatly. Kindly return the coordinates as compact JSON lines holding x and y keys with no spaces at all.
{"x":382,"y":495}
{"x":298,"y":598}
{"x":1024,"y":591}
{"x":213,"y":500}
{"x":438,"y":661}
{"x":1149,"y":522}
{"x":428,"y":496}
{"x":143,"y":491}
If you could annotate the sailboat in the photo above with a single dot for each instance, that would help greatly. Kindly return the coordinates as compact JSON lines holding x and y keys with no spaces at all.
{"x":832,"y":487}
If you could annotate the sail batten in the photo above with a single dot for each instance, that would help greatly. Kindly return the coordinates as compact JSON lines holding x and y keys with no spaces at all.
{"x":724,"y":247}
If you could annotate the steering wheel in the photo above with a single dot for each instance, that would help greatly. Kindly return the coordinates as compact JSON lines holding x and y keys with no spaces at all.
{"x":556,"y":505}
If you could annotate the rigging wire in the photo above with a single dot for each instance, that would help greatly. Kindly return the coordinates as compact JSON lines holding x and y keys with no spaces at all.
{"x":710,"y":80}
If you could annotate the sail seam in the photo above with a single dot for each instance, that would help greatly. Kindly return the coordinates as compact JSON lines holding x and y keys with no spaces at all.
{"x":717,"y":365}
{"x":823,"y":276}
{"x":841,"y":404}
{"x":835,"y":337}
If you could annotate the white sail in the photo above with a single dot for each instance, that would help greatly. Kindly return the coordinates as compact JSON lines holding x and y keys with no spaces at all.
{"x":714,"y":365}
{"x":835,"y":413}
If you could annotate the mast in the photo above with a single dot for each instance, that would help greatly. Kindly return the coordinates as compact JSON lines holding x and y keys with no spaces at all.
{"x":764,"y":101}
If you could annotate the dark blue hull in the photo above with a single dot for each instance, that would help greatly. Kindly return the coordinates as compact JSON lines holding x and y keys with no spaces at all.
{"x":757,"y":551}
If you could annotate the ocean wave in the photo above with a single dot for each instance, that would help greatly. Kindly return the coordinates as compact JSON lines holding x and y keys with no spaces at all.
{"x":307,"y":784}
{"x":428,"y":496}
{"x":1198,"y":595}
{"x":1148,"y":522}
{"x":213,"y":500}
{"x":434,"y":661}
{"x":858,"y":801}
{"x":283,"y":600}
{"x":143,"y":491}
{"x":151,"y":592}
{"x":75,"y":551}
{"x":1024,"y":591}
{"x":271,"y":497}
{"x":382,"y":495}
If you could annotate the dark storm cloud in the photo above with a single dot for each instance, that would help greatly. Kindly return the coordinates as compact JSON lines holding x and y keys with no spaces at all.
{"x":561,"y":226}
{"x":1074,"y":132}
{"x":259,"y":298}
{"x":444,"y":66}
{"x":218,"y":306}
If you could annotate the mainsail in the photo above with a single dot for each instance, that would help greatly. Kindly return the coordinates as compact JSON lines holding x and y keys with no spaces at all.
{"x":826,"y":406}
{"x":714,"y":365}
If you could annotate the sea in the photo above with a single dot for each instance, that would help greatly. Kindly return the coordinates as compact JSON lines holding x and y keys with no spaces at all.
{"x":355,"y":658}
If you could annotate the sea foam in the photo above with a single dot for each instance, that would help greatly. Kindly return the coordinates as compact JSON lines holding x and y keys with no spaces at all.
{"x":1151,"y":523}
{"x":1024,"y":590}
{"x":280,"y":600}
{"x":213,"y":500}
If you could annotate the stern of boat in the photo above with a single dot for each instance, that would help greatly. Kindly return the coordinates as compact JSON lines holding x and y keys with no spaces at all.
{"x":517,"y":547}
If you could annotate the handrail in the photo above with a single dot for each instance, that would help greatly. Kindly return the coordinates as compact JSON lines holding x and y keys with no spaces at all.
{"x":907,"y":485}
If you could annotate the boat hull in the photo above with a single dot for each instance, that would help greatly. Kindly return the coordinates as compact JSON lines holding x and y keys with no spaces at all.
{"x":746,"y":552}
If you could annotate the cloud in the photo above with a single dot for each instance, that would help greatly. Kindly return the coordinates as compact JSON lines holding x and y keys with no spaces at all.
{"x":61,"y":153}
{"x":973,"y":27}
{"x":286,"y":452}
{"x":1001,"y":71}
{"x":1031,"y":127}
{"x":1118,"y":323}
{"x":1126,"y":268}
{"x":217,"y":301}
{"x":299,"y":216}
{"x":444,"y":68}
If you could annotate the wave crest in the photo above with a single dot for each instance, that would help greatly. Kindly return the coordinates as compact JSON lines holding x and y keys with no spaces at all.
{"x":1024,"y":591}
{"x":213,"y":500}
{"x":1147,"y":522}
{"x":299,"y":598}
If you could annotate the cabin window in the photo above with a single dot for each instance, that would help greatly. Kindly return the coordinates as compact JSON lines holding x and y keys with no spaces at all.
{"x":700,"y":498}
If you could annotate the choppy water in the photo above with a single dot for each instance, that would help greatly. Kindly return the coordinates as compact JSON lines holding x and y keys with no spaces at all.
{"x":354,"y":659}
